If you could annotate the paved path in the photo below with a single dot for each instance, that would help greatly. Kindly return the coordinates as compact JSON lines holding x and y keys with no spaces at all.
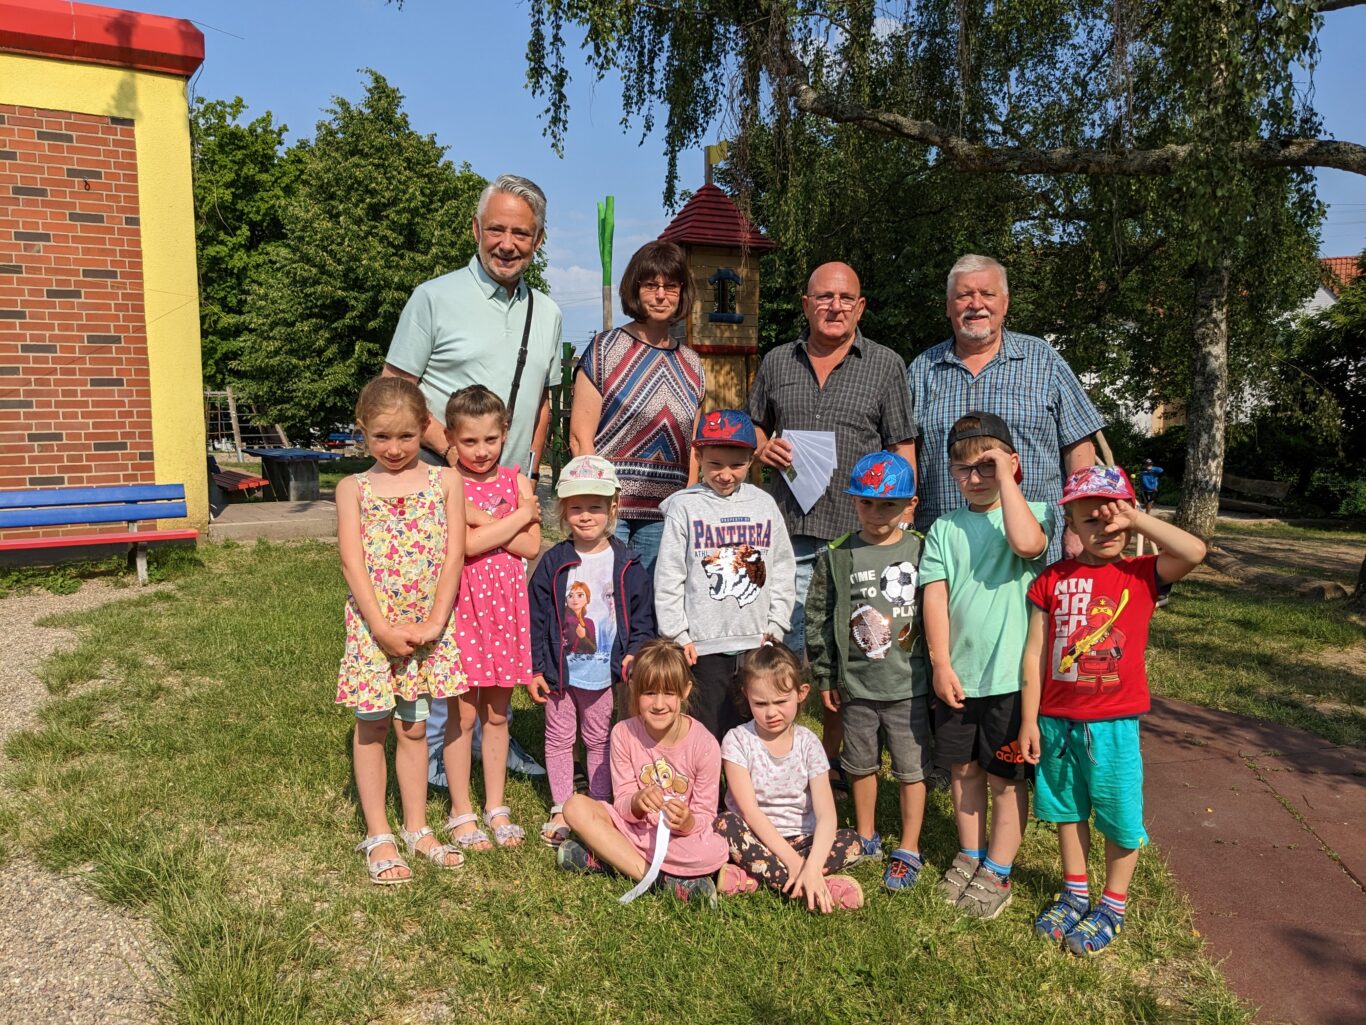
{"x":1264,"y":826}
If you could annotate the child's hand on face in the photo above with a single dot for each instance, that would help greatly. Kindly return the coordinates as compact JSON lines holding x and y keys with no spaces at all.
{"x":948,"y":687}
{"x":1005,"y":468}
{"x":1118,"y":515}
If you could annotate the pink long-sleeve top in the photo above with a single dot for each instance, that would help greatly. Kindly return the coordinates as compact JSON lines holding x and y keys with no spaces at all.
{"x":689,"y":770}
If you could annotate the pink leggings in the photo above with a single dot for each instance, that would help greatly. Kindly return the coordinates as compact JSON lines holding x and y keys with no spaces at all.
{"x":569,"y":711}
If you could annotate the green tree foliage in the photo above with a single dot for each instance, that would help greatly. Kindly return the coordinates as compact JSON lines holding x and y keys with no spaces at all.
{"x":241,"y":179}
{"x":1141,"y":167}
{"x":376,"y":209}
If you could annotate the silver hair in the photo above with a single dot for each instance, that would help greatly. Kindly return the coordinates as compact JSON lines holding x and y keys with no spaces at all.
{"x":970,"y":264}
{"x":523,"y":188}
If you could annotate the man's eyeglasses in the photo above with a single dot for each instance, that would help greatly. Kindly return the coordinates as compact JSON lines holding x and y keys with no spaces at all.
{"x":986,"y":470}
{"x":668,"y":288}
{"x":828,"y":300}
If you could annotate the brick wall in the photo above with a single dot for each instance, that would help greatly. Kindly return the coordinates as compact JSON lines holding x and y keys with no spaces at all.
{"x":75,"y":404}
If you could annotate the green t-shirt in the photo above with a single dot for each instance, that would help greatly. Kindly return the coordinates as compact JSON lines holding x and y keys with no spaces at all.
{"x":885,"y":660}
{"x":463,"y":328}
{"x":987,"y":581}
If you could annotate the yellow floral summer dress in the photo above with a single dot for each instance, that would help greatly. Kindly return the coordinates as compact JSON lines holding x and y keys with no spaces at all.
{"x":404,"y":538}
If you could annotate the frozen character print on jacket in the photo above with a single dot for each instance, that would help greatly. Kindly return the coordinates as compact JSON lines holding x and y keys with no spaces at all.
{"x":580,"y":632}
{"x":1093,"y":648}
{"x":735,"y":571}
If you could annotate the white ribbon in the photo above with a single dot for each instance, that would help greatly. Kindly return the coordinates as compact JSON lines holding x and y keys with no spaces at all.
{"x":652,"y":873}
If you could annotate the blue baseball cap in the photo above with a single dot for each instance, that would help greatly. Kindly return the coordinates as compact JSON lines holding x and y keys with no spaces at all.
{"x":726,"y":427}
{"x":881,"y":475}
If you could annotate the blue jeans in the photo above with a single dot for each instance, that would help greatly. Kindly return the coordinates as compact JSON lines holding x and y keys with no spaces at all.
{"x":807,"y":549}
{"x":643,"y":536}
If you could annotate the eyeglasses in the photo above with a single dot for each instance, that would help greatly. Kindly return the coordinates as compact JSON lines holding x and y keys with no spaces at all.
{"x":668,"y":288}
{"x":962,"y":471}
{"x":828,"y":300}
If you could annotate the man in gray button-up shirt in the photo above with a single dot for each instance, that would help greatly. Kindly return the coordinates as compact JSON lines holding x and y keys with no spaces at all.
{"x":831,"y":379}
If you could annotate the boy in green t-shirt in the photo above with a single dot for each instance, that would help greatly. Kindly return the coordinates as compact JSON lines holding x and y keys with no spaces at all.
{"x":979,"y":561}
{"x":867,"y":657}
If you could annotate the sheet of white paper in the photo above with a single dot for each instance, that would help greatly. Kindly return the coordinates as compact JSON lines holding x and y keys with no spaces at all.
{"x":652,"y":873}
{"x":808,"y":476}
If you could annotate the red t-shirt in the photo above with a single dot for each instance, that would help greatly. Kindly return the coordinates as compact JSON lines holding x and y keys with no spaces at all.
{"x":1097,"y":635}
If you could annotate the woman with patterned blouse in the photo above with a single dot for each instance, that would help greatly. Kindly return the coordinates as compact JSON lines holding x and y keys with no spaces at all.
{"x":637,"y":395}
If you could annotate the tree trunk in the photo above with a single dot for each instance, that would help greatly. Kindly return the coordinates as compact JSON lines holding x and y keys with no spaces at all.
{"x":1358,"y":599}
{"x":1208,"y":404}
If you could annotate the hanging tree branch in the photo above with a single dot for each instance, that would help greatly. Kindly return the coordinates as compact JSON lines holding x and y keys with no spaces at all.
{"x":963,"y":155}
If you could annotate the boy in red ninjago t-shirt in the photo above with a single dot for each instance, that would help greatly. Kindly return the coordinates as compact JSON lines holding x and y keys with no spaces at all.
{"x":1085,"y":685}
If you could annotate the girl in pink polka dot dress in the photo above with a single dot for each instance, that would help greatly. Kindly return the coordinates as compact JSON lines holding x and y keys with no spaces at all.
{"x":492,"y":621}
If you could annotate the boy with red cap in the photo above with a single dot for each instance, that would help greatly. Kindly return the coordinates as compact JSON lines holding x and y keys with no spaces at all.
{"x":725,"y":576}
{"x":1085,"y":687}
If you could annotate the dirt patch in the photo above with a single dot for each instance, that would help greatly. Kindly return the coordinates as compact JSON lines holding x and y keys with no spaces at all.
{"x":65,"y":956}
{"x":1312,"y":558}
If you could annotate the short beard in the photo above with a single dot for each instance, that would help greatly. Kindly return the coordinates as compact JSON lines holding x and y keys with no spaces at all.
{"x":972,"y":334}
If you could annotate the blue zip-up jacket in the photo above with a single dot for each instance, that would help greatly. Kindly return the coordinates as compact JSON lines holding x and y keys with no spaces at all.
{"x":634,"y":603}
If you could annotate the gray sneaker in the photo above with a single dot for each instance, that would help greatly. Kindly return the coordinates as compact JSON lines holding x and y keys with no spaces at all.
{"x":986,"y":896}
{"x":956,"y":879}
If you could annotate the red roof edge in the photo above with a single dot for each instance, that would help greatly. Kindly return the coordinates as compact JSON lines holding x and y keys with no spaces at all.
{"x":101,"y":35}
{"x":1343,"y":270}
{"x":711,"y":218}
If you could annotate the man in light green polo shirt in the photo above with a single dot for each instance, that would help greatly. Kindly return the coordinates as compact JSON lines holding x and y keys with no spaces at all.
{"x":466,"y":327}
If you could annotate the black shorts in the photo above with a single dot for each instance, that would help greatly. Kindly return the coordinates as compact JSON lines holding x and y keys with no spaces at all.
{"x":984,"y":730}
{"x":1147,"y":497}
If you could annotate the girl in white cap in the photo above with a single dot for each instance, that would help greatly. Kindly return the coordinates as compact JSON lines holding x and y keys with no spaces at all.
{"x":592,"y":607}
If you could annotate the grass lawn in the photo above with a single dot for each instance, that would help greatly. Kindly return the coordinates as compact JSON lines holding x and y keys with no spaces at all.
{"x":193,"y":768}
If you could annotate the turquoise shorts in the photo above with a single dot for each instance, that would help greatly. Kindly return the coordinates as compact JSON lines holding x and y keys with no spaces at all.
{"x":404,"y":710}
{"x":1088,"y":766}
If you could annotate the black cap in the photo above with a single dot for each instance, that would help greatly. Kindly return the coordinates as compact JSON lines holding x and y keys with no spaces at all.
{"x":992,"y":426}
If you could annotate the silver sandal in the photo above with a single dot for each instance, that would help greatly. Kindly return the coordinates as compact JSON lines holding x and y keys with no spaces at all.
{"x":378,"y":868}
{"x":552,"y":835}
{"x":439,"y":855}
{"x":510,"y":835}
{"x":477,"y":840}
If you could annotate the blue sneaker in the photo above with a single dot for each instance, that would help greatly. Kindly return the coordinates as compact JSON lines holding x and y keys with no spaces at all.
{"x":870,"y":847}
{"x":903,"y":868}
{"x":689,"y":889}
{"x":1095,"y":932}
{"x":1061,"y":916}
{"x":573,"y":856}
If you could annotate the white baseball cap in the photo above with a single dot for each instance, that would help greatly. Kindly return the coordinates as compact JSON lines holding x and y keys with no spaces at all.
{"x":587,"y":475}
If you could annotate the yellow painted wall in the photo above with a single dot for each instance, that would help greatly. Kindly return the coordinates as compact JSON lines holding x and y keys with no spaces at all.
{"x":159,"y":109}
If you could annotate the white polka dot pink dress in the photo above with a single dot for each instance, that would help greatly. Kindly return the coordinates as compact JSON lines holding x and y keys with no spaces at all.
{"x":492,"y":617}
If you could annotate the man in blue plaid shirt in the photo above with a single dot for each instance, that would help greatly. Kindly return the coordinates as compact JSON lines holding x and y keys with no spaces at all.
{"x":1018,"y":377}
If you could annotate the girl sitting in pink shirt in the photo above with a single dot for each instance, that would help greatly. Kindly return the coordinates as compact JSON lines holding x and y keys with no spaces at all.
{"x":663,"y":763}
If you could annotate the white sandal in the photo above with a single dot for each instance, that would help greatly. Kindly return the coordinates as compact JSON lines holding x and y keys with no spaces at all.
{"x":552,"y":835}
{"x":476,"y":839}
{"x":439,"y":855}
{"x":510,"y":835}
{"x":378,"y":868}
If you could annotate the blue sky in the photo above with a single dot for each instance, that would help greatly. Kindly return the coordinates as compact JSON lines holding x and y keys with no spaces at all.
{"x":461,"y":67}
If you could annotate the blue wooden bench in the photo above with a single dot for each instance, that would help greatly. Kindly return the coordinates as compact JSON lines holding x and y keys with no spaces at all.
{"x":112,"y":503}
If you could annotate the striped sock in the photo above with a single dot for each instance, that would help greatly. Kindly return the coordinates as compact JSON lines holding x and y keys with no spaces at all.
{"x":1114,"y":901}
{"x":1001,"y":870}
{"x":1077,"y":887}
{"x":974,"y":855}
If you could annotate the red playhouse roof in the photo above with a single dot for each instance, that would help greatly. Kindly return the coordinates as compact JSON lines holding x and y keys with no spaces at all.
{"x":101,"y":35}
{"x":1344,"y":270}
{"x":710,"y":218}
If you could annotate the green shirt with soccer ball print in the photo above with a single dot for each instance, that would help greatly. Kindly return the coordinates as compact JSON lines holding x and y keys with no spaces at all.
{"x":863,"y":620}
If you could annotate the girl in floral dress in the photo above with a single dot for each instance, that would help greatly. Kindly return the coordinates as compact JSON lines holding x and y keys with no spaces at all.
{"x":492,"y":619}
{"x":401,"y":535}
